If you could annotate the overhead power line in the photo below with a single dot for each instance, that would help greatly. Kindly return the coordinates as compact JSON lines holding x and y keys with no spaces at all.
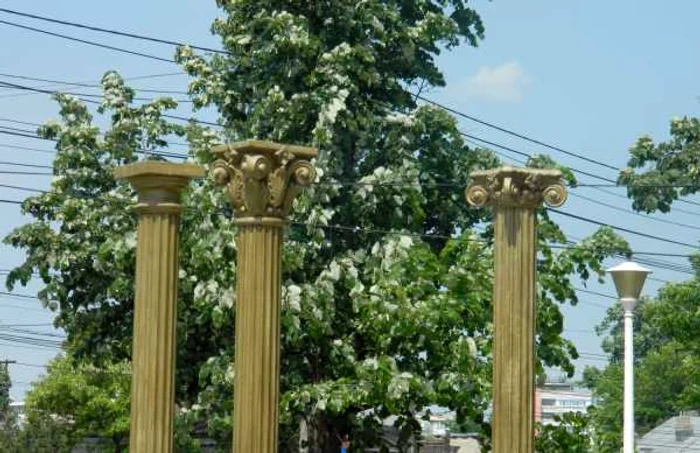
{"x":618,"y":228}
{"x":598,"y":188}
{"x":19,"y":134}
{"x":22,"y":188}
{"x":97,"y":85}
{"x":87,"y":42}
{"x":624,"y":197}
{"x":31,"y":332}
{"x":629,"y":211}
{"x":19,"y":164}
{"x":92,"y":101}
{"x":88,"y":84}
{"x":81,"y":95}
{"x":112,"y":31}
{"x":29,"y":134}
{"x":26,"y":148}
{"x":524,"y":154}
{"x":596,"y":293}
{"x":516,"y":134}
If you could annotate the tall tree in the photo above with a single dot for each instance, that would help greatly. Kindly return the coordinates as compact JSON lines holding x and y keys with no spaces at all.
{"x":387,"y":273}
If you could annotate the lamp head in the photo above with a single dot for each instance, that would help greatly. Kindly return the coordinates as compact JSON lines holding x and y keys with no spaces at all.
{"x":629,"y":278}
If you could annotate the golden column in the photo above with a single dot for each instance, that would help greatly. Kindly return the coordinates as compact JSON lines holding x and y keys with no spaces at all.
{"x":263,"y":179}
{"x":514,"y":194}
{"x":158,"y":185}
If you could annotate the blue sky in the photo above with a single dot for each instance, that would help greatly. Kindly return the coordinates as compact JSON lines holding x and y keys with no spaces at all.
{"x":587,"y":76}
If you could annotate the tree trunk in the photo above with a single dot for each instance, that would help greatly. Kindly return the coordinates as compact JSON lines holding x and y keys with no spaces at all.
{"x":118,"y":442}
{"x":303,"y":436}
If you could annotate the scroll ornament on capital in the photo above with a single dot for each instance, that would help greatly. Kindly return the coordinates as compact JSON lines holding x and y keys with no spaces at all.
{"x":262,"y":184}
{"x":516,"y":187}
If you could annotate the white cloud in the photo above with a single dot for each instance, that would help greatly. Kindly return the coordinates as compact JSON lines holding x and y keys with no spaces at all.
{"x":502,"y":83}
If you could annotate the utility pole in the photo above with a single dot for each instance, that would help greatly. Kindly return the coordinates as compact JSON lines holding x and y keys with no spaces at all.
{"x":5,"y":389}
{"x":262,"y":179}
{"x":514,"y":194}
{"x":6,"y":363}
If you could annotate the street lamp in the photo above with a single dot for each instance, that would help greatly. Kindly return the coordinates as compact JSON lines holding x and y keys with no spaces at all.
{"x":629,"y":278}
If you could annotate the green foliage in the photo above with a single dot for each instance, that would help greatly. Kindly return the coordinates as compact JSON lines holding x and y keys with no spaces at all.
{"x":374,"y":324}
{"x":42,"y":434}
{"x":5,"y":385}
{"x":570,"y":434}
{"x":606,"y":415}
{"x":465,"y":427}
{"x":74,"y":402}
{"x":655,"y":168}
{"x":87,"y":401}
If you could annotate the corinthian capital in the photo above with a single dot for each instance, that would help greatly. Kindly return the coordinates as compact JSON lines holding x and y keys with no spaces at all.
{"x":262,"y":177}
{"x":516,"y":187}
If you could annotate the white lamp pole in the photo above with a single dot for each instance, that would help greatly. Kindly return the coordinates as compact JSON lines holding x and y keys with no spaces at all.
{"x":629,"y":278}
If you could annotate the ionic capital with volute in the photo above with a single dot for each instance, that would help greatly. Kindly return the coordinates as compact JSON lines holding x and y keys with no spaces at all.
{"x":516,"y":187}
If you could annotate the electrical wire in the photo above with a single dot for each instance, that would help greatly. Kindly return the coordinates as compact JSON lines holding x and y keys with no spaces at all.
{"x":87,"y":42}
{"x":626,"y":211}
{"x":92,"y":101}
{"x":112,"y":32}
{"x":16,"y":86}
{"x":618,"y":228}
{"x":29,"y":134}
{"x":515,"y":134}
{"x":571,"y":245}
{"x":624,"y":197}
{"x":97,"y":85}
{"x":26,"y":148}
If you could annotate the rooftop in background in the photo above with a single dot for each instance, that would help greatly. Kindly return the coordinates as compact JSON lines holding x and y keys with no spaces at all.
{"x":680,"y":433}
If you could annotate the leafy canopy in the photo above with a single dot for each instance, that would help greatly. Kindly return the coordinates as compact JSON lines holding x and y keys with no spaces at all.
{"x":660,"y":173}
{"x":386,"y":271}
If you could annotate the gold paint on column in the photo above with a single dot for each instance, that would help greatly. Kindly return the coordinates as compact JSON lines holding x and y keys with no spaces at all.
{"x":159,"y":185}
{"x":514,"y":194}
{"x":262,"y":179}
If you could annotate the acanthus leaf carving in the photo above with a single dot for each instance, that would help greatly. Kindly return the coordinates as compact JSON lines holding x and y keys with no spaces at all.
{"x":262,"y":181}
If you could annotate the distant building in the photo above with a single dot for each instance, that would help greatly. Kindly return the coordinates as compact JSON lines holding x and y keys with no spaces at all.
{"x":17,"y":408}
{"x":677,"y":434}
{"x":436,"y":425}
{"x":558,"y":398}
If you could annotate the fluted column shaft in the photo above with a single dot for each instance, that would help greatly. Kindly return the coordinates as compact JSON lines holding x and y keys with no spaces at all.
{"x":514,"y":330}
{"x":256,"y":387}
{"x":515,"y":194}
{"x":153,"y":354}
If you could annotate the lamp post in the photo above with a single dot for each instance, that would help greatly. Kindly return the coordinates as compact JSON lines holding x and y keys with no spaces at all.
{"x":629,"y":278}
